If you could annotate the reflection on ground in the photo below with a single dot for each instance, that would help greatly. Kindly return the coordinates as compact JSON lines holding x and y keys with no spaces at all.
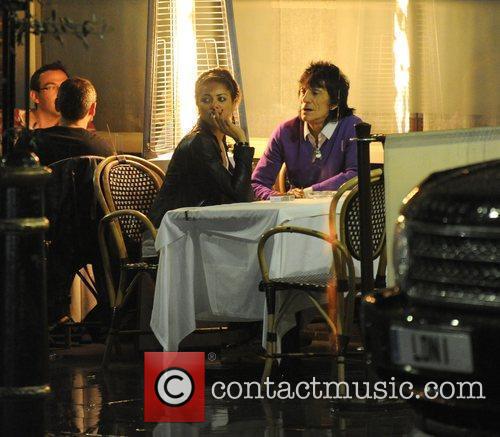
{"x":87,"y":401}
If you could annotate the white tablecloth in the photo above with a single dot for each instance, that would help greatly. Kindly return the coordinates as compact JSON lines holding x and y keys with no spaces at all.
{"x":208,"y":268}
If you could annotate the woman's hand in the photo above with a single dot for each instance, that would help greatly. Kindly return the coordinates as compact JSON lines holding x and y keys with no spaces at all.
{"x":227,"y":127}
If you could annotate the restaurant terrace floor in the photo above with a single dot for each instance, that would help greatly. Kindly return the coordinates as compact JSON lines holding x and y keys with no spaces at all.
{"x":86,"y":400}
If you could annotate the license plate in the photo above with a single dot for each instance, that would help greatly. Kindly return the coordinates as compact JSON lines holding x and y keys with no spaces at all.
{"x":437,"y":350}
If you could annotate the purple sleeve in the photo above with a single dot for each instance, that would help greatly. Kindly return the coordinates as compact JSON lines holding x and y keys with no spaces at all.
{"x":268,"y":167}
{"x":350,"y":169}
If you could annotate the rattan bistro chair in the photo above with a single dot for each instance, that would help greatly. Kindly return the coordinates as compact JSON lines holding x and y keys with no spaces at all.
{"x":126,"y":187}
{"x":339,"y":282}
{"x":349,"y":225}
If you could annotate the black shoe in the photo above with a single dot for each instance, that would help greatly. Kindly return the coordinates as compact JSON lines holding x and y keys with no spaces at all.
{"x":60,"y":321}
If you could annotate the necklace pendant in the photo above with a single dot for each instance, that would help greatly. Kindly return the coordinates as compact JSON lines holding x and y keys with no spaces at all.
{"x":318,"y":154}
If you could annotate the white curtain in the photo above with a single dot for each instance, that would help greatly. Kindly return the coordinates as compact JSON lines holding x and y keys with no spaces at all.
{"x":454,"y":61}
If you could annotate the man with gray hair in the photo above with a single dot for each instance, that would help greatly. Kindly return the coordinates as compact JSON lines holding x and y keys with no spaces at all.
{"x":76,"y":101}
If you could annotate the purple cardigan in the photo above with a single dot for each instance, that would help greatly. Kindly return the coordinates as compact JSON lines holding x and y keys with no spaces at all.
{"x":337,"y":164}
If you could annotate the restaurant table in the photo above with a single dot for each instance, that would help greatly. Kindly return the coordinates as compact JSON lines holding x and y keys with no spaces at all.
{"x":208,"y":268}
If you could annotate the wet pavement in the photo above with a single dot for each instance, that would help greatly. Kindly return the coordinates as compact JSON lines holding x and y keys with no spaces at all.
{"x":86,"y":400}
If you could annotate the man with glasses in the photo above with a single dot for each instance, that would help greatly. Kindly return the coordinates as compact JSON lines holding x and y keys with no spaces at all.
{"x":44,"y":85}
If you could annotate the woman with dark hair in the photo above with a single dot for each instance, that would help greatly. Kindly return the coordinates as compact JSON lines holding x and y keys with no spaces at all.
{"x":200,"y":173}
{"x":315,"y":145}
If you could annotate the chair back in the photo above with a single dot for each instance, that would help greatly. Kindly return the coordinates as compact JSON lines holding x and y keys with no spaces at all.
{"x":280,"y":183}
{"x":126,"y":182}
{"x":350,"y":229}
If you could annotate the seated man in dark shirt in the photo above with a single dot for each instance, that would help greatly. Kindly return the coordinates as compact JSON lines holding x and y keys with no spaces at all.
{"x":76,"y":101}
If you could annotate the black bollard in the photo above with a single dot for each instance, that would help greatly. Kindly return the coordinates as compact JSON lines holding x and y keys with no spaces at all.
{"x":365,"y":206}
{"x":23,"y":316}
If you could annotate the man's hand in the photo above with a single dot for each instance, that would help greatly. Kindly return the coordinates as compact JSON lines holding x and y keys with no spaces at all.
{"x":297,"y":192}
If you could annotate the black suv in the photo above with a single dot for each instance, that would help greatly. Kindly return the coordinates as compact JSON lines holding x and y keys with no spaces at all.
{"x":438,"y":329}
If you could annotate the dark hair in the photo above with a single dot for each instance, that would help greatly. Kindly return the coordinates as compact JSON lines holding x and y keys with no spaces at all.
{"x":324,"y":74}
{"x":75,"y":97}
{"x":220,"y":75}
{"x":35,"y":78}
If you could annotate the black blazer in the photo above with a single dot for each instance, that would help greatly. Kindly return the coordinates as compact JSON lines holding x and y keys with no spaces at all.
{"x":72,"y":243}
{"x":196,"y":176}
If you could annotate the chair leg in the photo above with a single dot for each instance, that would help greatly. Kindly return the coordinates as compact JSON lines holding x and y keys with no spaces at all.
{"x":338,"y":371}
{"x":271,"y":332}
{"x":67,"y":336}
{"x":110,"y":339}
{"x":117,"y":301}
{"x":342,"y":340}
{"x":341,"y":372}
{"x":380,"y":281}
{"x":134,"y":289}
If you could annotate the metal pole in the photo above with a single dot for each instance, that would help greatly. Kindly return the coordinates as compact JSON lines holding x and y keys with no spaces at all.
{"x":148,"y":94}
{"x":23,"y":314}
{"x":9,"y":81}
{"x":365,"y":206}
{"x":27,"y":51}
{"x":236,"y":62}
